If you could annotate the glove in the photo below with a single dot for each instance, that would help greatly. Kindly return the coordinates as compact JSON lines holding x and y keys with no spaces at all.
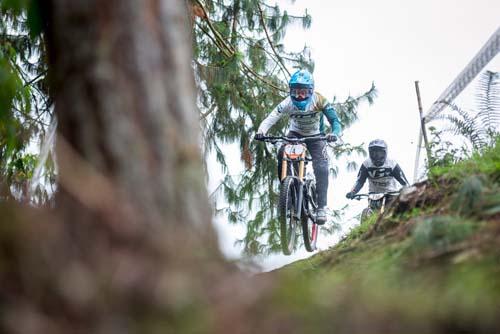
{"x":331,"y":138}
{"x":258,"y":136}
{"x":350,"y":195}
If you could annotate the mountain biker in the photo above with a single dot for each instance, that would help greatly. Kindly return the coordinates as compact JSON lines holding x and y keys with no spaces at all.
{"x":380,"y":172}
{"x":307,"y":110}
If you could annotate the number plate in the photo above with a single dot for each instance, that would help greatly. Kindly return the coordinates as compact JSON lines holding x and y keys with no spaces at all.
{"x":294,"y":151}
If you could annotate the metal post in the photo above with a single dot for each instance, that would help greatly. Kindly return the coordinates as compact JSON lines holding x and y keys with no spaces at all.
{"x":417,"y":157}
{"x":422,"y":123}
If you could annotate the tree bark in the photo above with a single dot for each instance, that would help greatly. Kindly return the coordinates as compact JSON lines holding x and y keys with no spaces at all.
{"x":132,"y":245}
{"x":125,"y":102}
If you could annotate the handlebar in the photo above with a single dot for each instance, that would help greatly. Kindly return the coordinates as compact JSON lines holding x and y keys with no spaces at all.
{"x":293,"y":140}
{"x":359,"y":196}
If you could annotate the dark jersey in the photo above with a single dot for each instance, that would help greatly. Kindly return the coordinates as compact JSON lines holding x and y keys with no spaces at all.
{"x":380,"y":179}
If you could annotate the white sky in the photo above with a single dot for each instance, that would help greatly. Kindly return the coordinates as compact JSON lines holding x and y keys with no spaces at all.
{"x":393,"y":43}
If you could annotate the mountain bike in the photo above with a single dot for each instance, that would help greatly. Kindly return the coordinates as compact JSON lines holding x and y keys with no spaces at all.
{"x":298,"y":196}
{"x":376,"y":201}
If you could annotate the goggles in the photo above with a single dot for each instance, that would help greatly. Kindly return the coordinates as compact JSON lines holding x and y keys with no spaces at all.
{"x":377,"y":154}
{"x":301,"y":93}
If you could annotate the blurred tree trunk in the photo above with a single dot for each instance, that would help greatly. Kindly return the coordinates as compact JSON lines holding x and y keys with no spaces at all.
{"x":131,"y":246}
{"x":125,"y":106}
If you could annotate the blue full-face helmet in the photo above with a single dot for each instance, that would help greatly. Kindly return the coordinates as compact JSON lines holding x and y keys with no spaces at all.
{"x":301,"y":88}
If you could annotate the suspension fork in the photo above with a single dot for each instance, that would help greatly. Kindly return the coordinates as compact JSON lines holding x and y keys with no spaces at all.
{"x":300,"y":198}
{"x":284,"y":166}
{"x":300,"y":188}
{"x":382,"y":208}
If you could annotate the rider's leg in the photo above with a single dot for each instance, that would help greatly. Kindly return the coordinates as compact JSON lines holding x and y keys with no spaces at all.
{"x":320,"y":166}
{"x":321,"y":174}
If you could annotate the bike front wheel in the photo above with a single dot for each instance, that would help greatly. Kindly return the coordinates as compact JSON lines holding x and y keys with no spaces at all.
{"x":367,"y":212}
{"x":309,"y":228}
{"x":288,"y":219}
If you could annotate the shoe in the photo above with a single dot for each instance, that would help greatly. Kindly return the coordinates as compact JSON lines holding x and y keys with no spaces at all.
{"x":321,"y":216}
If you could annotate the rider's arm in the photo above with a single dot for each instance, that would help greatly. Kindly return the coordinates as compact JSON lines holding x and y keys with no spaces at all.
{"x":331,"y":115}
{"x":361,"y":179}
{"x":398,"y":174}
{"x":272,"y":118}
{"x":329,"y":112}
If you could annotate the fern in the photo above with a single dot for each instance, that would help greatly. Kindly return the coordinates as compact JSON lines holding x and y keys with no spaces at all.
{"x":488,"y":98}
{"x":479,"y":126}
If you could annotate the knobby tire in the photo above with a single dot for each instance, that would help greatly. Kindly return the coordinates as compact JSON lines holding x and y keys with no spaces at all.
{"x":309,"y":228}
{"x":367,"y":212}
{"x":288,"y":224}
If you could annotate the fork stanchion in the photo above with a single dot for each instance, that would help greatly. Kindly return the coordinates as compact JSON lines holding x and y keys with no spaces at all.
{"x":284,"y":167}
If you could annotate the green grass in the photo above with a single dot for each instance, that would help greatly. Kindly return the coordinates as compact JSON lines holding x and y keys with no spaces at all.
{"x":485,"y":163}
{"x":358,"y":231}
{"x":439,"y":232}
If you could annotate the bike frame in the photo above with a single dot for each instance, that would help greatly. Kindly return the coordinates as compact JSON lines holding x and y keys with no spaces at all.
{"x":296,"y":153}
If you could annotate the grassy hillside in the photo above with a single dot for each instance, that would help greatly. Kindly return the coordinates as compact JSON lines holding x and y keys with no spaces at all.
{"x":431,"y":264}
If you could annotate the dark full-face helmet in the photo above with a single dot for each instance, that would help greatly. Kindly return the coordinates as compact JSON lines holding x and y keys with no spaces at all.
{"x":301,"y":88}
{"x":378,"y":152}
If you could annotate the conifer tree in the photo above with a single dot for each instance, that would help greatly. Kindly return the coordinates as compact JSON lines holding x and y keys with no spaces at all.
{"x":25,"y":106}
{"x":242,"y":71}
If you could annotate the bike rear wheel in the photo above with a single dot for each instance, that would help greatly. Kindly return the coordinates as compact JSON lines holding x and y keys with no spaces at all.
{"x":288,"y":221}
{"x":309,"y":228}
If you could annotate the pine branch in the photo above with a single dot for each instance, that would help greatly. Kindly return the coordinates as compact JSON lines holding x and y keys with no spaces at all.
{"x":35,"y":78}
{"x":283,"y":67}
{"x":28,"y":117}
{"x":236,"y":8}
{"x":295,"y":17}
{"x":271,"y":55}
{"x":229,"y":51}
{"x":270,"y":84}
{"x":217,"y":35}
{"x":204,"y":115}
